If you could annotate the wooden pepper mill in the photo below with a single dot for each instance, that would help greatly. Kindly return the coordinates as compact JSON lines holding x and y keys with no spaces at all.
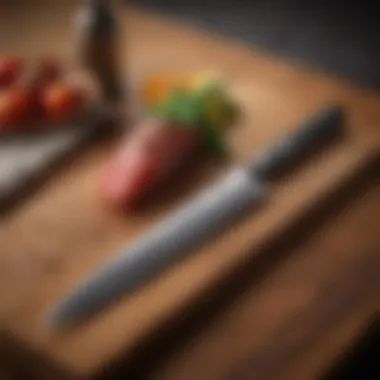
{"x":99,"y":46}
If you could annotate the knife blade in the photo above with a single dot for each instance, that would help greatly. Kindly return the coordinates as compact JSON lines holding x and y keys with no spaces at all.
{"x":202,"y":218}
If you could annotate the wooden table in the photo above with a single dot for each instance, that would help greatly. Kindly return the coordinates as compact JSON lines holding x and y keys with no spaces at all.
{"x":62,"y":232}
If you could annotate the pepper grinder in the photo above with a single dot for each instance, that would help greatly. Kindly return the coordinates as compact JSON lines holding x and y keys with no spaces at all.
{"x":99,"y":38}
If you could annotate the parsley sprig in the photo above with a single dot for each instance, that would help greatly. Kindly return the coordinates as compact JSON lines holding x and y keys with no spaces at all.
{"x":210,"y":110}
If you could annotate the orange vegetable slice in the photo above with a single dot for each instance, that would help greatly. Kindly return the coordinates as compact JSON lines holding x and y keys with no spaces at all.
{"x":157,"y":86}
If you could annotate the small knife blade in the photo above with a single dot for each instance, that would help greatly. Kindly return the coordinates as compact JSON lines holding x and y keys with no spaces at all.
{"x":238,"y":194}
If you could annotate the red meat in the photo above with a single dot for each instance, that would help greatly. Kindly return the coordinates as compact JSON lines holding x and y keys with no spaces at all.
{"x":154,"y":152}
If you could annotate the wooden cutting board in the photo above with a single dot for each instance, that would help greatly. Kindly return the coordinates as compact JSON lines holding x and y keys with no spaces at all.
{"x":66,"y":232}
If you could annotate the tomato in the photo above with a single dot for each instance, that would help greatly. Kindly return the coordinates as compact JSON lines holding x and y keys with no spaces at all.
{"x":14,"y":110}
{"x":60,"y":101}
{"x":10,"y":70}
{"x":34,"y":99}
{"x":47,"y":72}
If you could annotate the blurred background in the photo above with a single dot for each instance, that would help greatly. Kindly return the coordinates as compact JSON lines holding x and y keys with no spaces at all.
{"x":340,"y":37}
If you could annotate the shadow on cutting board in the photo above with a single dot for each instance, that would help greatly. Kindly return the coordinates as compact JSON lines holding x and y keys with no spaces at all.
{"x":19,"y":363}
{"x":360,"y":360}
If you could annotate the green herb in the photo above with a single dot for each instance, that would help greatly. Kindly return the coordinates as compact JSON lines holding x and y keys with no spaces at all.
{"x":181,"y":106}
{"x":213,"y":139}
{"x":209,"y":110}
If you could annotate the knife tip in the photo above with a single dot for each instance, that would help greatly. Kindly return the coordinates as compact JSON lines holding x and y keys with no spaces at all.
{"x":59,"y":317}
{"x":53,"y":320}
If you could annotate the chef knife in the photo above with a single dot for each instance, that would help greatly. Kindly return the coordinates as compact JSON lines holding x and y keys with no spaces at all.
{"x":239,"y":193}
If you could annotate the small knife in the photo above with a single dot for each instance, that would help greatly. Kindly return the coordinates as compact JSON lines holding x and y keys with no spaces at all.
{"x":239,"y":193}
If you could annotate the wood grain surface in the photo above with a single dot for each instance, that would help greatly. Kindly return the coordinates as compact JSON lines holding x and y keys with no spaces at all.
{"x":63,"y":231}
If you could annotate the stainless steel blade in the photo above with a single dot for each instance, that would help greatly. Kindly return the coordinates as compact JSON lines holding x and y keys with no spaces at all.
{"x":203,"y":217}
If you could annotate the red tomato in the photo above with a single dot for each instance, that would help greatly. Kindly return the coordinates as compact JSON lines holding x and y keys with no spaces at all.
{"x":154,"y":152}
{"x":60,"y":101}
{"x":10,"y":70}
{"x":34,"y":99}
{"x":47,"y":72}
{"x":13,"y":109}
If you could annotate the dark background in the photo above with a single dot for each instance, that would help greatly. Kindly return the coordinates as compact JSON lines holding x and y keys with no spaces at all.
{"x":339,"y":37}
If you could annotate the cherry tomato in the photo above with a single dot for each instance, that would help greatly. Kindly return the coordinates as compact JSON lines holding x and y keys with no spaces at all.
{"x":47,"y":72}
{"x":60,"y":101}
{"x":10,"y":70}
{"x":14,"y":110}
{"x":33,"y":95}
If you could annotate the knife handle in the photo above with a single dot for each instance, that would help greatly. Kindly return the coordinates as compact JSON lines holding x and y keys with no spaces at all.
{"x":324,"y":126}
